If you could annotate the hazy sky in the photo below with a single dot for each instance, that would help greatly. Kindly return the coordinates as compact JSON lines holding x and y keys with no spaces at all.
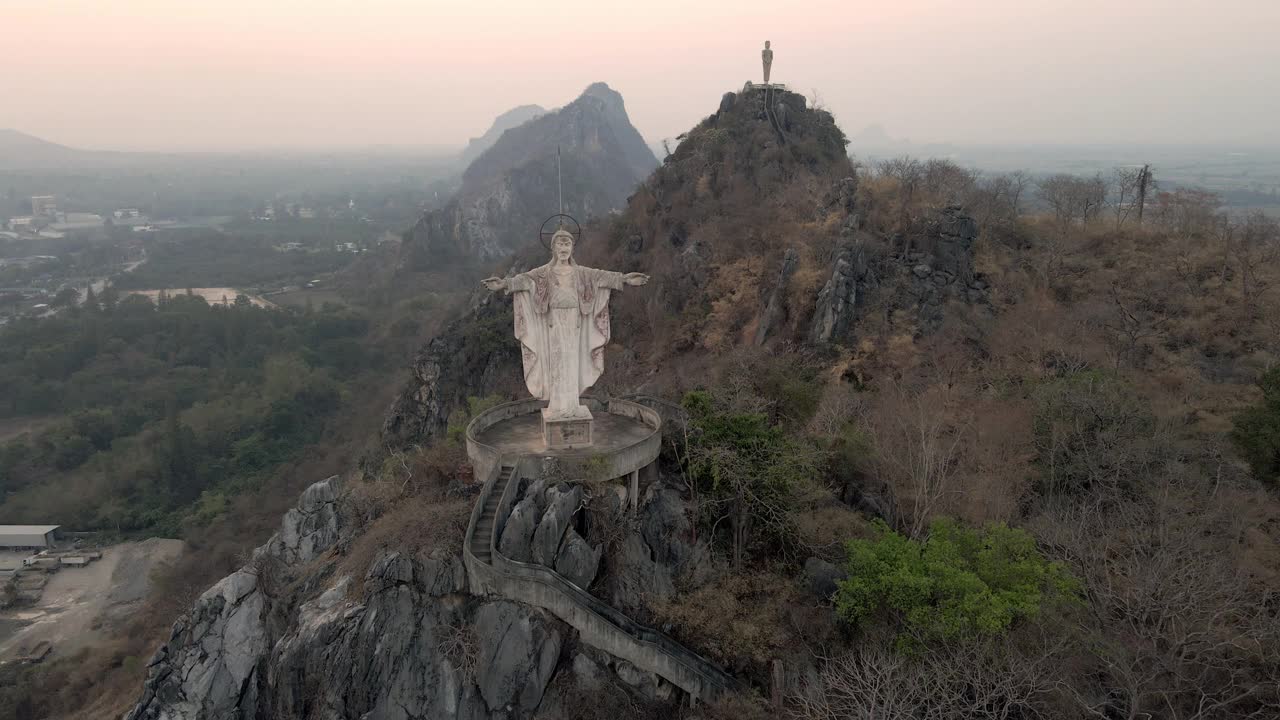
{"x":227,"y":74}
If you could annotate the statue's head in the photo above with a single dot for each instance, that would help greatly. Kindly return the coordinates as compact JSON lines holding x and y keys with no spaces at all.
{"x":562,"y":246}
{"x":766,"y":44}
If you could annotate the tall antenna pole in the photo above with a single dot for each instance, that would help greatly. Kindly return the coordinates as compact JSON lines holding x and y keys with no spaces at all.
{"x":559,"y":181}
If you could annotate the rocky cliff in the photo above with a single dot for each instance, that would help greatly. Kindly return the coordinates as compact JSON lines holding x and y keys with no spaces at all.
{"x":295,"y":633}
{"x":756,"y":232}
{"x":512,"y":118}
{"x":511,"y":187}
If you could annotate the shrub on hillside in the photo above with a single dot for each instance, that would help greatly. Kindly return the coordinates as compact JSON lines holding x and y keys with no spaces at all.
{"x":957,"y":583}
{"x":745,"y":470}
{"x":1092,"y":432}
{"x":1257,"y":430}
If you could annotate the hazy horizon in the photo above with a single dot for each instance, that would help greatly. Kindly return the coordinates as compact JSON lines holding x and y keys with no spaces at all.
{"x":147,"y":75}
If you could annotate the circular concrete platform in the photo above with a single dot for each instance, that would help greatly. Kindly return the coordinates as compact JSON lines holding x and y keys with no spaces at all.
{"x":627,"y":436}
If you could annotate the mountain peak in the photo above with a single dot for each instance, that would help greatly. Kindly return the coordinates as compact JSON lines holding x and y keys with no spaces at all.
{"x":603,"y":91}
{"x":514,"y":117}
{"x":511,"y":187}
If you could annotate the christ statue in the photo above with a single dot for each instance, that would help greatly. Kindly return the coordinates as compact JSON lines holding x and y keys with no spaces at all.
{"x":766,"y":58}
{"x":562,"y":322}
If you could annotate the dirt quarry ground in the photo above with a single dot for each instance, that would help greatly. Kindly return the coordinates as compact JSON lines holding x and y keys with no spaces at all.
{"x":78,"y":601}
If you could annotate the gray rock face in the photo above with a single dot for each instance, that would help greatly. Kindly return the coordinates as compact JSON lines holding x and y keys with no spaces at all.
{"x":943,"y":266}
{"x":311,"y":527}
{"x":516,"y":541}
{"x":587,"y":671}
{"x":659,"y":551}
{"x":212,"y":664}
{"x":456,"y":364}
{"x":823,"y":577}
{"x":562,"y":502}
{"x":411,"y":645}
{"x":520,"y":651}
{"x":938,"y":270}
{"x":403,"y":653}
{"x":636,"y":577}
{"x":577,"y":560}
{"x":775,"y":310}
{"x":838,"y":299}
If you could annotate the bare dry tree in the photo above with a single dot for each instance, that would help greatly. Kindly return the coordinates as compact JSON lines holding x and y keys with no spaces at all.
{"x":1256,"y":251}
{"x":917,"y":446}
{"x":1137,"y":318}
{"x":985,"y":680}
{"x":458,"y":644}
{"x":1074,"y":200}
{"x":908,"y":173}
{"x":1176,"y":628}
{"x":1126,"y":186}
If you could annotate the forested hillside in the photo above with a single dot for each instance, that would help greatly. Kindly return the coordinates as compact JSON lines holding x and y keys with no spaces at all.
{"x":160,"y":411}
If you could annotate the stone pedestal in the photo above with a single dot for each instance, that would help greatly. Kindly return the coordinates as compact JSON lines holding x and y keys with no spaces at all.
{"x":566,"y":433}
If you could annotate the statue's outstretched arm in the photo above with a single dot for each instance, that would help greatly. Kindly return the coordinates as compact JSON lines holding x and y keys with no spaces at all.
{"x":516,"y":283}
{"x":615,"y":280}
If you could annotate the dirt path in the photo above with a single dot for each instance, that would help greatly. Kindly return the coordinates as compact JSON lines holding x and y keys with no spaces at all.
{"x":77,"y":600}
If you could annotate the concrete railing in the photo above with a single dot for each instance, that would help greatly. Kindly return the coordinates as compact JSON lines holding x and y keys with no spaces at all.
{"x":485,"y":458}
{"x":598,"y":623}
{"x":598,"y":466}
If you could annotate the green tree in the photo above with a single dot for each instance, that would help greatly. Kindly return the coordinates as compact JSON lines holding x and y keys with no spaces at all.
{"x":1256,"y":433}
{"x":744,"y":470}
{"x":957,"y":583}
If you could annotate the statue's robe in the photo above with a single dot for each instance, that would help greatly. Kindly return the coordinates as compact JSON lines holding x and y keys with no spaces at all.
{"x":562,"y":336}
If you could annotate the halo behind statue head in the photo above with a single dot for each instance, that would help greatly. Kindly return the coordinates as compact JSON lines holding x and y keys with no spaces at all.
{"x":546,"y":237}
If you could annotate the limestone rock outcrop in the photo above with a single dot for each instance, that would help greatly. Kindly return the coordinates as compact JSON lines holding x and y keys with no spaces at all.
{"x":837,"y":303}
{"x":775,"y":308}
{"x":562,"y":502}
{"x":541,"y":529}
{"x":473,"y":357}
{"x":289,"y":636}
{"x":657,"y":551}
{"x":577,"y":560}
{"x":511,"y":187}
{"x":520,"y":649}
{"x":942,"y":266}
{"x":212,"y":664}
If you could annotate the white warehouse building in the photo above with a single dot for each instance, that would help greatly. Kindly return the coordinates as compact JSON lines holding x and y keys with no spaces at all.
{"x":27,"y":536}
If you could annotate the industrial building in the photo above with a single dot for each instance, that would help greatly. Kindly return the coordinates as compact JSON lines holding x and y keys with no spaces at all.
{"x":44,"y":205}
{"x":27,"y":536}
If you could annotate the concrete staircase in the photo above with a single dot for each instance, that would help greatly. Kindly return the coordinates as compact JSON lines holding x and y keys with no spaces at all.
{"x":482,"y":540}
{"x":597,"y":623}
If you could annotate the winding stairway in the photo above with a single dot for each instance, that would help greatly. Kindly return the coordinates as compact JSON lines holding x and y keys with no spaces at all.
{"x":483,"y":540}
{"x":598,"y":624}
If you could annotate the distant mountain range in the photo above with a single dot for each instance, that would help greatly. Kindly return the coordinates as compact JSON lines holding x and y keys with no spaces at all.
{"x":19,"y":151}
{"x":512,"y":118}
{"x":512,"y":186}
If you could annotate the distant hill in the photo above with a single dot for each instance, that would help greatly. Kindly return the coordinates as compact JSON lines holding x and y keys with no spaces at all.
{"x":18,"y":149}
{"x":512,"y":118}
{"x":511,"y":187}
